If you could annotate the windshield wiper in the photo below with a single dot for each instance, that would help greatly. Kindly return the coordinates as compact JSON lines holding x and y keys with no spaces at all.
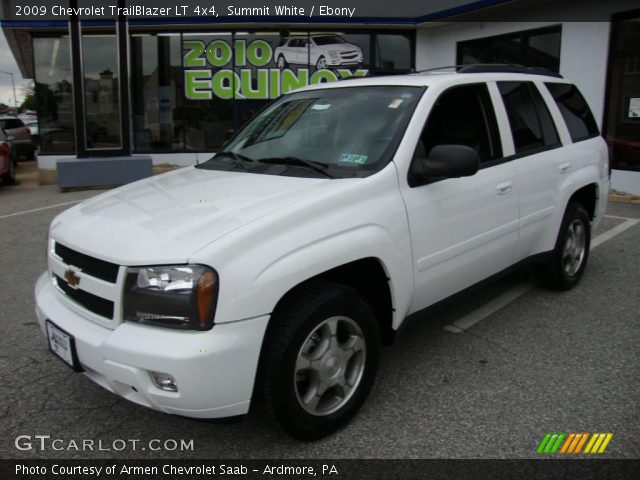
{"x":311,"y":165}
{"x":239,"y":160}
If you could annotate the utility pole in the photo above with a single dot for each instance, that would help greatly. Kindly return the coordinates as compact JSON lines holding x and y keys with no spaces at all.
{"x":13,"y":83}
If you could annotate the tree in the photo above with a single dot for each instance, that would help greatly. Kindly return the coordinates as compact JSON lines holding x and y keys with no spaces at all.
{"x":29,"y":102}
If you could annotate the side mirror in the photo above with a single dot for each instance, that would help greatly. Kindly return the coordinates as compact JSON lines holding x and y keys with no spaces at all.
{"x":448,"y":161}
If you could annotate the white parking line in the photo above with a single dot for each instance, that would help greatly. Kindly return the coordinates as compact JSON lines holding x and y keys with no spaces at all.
{"x":516,"y":292}
{"x":489,"y":308}
{"x":617,"y":230}
{"x":24,"y":212}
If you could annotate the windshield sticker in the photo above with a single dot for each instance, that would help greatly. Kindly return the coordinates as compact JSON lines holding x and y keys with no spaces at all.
{"x":396,"y":103}
{"x":321,"y":106}
{"x":353,"y":158}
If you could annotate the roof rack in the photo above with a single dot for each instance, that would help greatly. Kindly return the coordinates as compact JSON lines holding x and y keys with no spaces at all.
{"x":494,"y":68}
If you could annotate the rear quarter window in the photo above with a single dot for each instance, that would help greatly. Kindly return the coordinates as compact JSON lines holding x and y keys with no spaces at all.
{"x":574,"y":110}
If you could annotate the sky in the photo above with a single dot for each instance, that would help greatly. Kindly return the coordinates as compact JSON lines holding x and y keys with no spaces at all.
{"x":8,"y":64}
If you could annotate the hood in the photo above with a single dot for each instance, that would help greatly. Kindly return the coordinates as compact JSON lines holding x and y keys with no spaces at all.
{"x":167,"y":218}
{"x":341,"y":47}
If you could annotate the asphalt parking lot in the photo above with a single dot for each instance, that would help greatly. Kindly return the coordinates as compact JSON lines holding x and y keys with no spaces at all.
{"x":528,"y":361}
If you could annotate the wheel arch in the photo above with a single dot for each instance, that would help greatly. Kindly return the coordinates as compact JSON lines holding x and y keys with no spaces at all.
{"x":587,"y":196}
{"x":369,"y":277}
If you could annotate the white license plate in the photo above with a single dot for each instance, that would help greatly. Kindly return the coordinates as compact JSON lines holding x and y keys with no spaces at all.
{"x":62,"y":344}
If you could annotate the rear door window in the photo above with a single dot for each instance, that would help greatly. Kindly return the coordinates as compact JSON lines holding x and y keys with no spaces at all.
{"x":575,"y":111}
{"x":531,"y":124}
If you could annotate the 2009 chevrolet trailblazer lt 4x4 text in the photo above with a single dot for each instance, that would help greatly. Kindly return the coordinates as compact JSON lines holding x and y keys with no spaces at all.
{"x":276,"y":269}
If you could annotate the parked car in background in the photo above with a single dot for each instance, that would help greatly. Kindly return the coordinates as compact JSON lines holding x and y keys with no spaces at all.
{"x":32,"y":125}
{"x":21,"y":142}
{"x":7,"y":163}
{"x":322,"y":50}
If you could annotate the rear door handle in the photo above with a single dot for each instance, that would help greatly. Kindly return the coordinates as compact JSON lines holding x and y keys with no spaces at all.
{"x":504,"y":188}
{"x":564,"y":167}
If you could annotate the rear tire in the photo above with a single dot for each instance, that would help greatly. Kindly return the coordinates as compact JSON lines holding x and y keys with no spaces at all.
{"x":569,"y":258}
{"x":319,"y":359}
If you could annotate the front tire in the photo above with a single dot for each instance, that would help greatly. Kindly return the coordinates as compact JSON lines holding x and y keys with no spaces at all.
{"x":321,"y":64}
{"x":569,"y":258}
{"x":282,"y":63}
{"x":319,"y":359}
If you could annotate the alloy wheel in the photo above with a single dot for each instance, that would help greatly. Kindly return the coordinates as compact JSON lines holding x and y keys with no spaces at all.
{"x":329,"y":366}
{"x":574,"y":247}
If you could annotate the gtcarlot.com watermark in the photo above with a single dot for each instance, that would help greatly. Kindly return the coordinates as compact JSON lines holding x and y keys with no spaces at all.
{"x":48,"y":443}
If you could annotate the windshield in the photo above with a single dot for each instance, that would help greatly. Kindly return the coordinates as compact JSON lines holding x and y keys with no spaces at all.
{"x":351,"y":131}
{"x":328,"y":40}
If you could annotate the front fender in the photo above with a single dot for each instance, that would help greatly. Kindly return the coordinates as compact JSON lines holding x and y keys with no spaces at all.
{"x":260,"y":294}
{"x":345,"y":221}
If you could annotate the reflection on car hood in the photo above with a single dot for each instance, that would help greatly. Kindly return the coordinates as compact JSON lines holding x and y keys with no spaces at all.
{"x":166,"y":219}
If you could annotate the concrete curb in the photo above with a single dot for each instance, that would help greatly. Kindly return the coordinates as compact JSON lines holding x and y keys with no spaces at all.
{"x":619,"y":198}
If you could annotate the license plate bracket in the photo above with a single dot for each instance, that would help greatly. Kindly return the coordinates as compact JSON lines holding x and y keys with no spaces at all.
{"x":62,"y":345}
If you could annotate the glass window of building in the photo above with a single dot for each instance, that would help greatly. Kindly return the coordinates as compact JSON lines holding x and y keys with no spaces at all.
{"x":205,"y":110}
{"x":392,"y":52}
{"x":260,"y":65}
{"x":156,"y":91}
{"x":53,"y":88}
{"x":622,"y":119}
{"x":101,"y":92}
{"x":532,"y":48}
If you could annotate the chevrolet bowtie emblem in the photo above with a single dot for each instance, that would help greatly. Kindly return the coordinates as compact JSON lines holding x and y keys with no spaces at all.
{"x":72,"y":278}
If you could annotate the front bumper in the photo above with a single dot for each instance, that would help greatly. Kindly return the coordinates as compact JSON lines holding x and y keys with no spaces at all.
{"x":339,"y":62}
{"x":214,"y":370}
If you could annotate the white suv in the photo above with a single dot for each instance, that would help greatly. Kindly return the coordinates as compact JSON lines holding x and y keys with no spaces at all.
{"x":320,"y":50}
{"x":276,"y":269}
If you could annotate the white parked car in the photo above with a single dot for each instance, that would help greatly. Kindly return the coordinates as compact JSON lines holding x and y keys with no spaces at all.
{"x":275,"y":270}
{"x":321,"y":50}
{"x":32,"y":125}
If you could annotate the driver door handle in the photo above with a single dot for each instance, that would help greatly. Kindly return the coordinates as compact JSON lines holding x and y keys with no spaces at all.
{"x":504,"y":188}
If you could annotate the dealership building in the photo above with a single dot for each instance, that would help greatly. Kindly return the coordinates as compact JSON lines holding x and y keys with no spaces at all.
{"x":118,"y":97}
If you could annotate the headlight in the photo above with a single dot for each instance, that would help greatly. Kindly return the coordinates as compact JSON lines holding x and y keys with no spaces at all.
{"x":174,"y":296}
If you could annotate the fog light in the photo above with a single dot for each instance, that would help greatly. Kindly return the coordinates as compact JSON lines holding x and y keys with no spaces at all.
{"x":164,"y":381}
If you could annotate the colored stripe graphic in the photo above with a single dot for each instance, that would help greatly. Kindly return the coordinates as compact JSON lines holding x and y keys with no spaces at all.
{"x":572,"y":443}
{"x":598,"y":442}
{"x":567,"y":443}
{"x":550,"y":442}
{"x":543,"y":443}
{"x":581,"y":443}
